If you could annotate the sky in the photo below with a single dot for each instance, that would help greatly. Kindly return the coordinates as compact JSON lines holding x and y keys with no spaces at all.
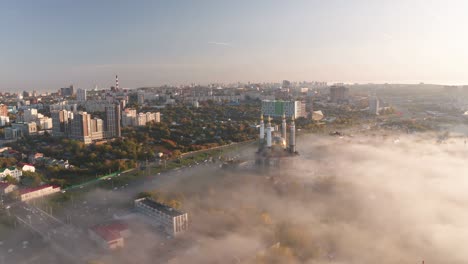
{"x":50,"y":44}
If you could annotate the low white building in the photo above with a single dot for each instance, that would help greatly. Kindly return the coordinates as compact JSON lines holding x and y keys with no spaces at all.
{"x":171,"y":220}
{"x":41,"y":191}
{"x":27,"y":167}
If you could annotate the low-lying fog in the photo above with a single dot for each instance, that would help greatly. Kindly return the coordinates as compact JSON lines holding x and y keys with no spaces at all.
{"x":381,"y":199}
{"x":378,"y":199}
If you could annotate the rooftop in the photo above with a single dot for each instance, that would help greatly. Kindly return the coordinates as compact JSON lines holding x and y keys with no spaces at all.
{"x":10,"y":168}
{"x":21,"y":164}
{"x":160,"y":207}
{"x":28,"y":190}
{"x":106,"y":233}
{"x":4,"y":185}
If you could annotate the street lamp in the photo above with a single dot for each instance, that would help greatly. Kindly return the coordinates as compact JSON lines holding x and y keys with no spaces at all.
{"x":8,"y":210}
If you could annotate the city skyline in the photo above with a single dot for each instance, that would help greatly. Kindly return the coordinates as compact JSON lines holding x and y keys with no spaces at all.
{"x":51,"y":44}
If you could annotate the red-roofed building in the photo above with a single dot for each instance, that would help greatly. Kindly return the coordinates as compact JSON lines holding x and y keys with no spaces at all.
{"x":109,"y":236}
{"x":33,"y":157}
{"x":11,"y":153}
{"x":41,"y":191}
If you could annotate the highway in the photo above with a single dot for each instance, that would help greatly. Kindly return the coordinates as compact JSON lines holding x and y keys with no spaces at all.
{"x":67,"y":227}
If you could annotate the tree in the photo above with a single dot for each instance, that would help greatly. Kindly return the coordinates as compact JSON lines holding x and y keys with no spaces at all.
{"x":31,"y":179}
{"x":174,"y":203}
{"x":10,"y":179}
{"x":176,"y":153}
{"x":144,"y":195}
{"x":7,"y":162}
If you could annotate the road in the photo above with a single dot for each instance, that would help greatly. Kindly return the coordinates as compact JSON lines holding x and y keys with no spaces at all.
{"x":67,"y":227}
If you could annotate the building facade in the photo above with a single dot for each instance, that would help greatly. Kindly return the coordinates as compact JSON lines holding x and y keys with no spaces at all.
{"x":26,"y":129}
{"x":67,"y":91}
{"x":131,"y":118}
{"x":276,"y":108}
{"x":81,"y":127}
{"x":32,"y":193}
{"x":109,"y":236}
{"x":374,"y":105}
{"x":81,"y":95}
{"x":112,"y":121}
{"x":12,"y":133}
{"x":339,"y":94}
{"x":12,"y":171}
{"x":61,"y":122}
{"x":3,"y":110}
{"x":4,"y":120}
{"x":30,"y":115}
{"x":171,"y":220}
{"x":97,"y":129}
{"x":46,"y":123}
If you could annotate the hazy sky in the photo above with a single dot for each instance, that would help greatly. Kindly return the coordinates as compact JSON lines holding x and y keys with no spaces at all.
{"x":49,"y":44}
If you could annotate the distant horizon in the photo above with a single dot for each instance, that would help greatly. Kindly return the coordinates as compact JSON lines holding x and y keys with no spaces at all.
{"x":230,"y":83}
{"x":51,"y":43}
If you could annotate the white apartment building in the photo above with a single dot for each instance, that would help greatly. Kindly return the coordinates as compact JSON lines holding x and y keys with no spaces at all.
{"x":12,"y":171}
{"x":45,"y":123}
{"x":171,"y":220}
{"x":131,"y":118}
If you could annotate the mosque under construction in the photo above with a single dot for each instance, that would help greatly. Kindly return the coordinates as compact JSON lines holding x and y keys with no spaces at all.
{"x":273,"y":143}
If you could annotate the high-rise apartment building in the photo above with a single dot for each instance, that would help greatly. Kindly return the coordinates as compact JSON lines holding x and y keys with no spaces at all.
{"x":129,"y":117}
{"x":276,"y":108}
{"x":30,"y":115}
{"x":81,"y":127}
{"x":67,"y":91}
{"x":374,"y":105}
{"x":61,"y":122}
{"x":97,"y":129}
{"x":339,"y":94}
{"x":112,"y":121}
{"x":81,"y":95}
{"x":45,"y":123}
{"x":3,"y":110}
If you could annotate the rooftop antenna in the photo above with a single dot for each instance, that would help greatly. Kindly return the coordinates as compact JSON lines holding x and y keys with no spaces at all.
{"x":117,"y":82}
